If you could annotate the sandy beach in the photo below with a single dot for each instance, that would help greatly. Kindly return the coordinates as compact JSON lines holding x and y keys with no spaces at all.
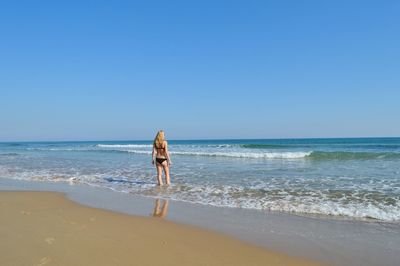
{"x":45,"y":228}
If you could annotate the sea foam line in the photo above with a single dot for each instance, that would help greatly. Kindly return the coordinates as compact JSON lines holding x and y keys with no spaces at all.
{"x":269,"y":155}
{"x":124,"y":146}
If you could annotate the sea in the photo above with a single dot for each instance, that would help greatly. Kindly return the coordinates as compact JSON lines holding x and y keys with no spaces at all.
{"x":340,"y":178}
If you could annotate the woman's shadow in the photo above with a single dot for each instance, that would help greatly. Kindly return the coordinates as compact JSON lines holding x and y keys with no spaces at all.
{"x":160,"y":210}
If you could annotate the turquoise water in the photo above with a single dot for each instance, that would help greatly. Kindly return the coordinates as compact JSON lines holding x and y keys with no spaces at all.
{"x":351,"y":178}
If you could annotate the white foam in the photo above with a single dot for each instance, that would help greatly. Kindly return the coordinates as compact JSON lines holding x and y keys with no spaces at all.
{"x":337,"y":209}
{"x":305,"y":205}
{"x":129,"y":146}
{"x":213,"y":151}
{"x":313,"y":202}
{"x":264,"y":155}
{"x":124,"y":146}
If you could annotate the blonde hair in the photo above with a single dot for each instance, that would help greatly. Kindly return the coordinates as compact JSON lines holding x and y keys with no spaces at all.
{"x":159,"y":140}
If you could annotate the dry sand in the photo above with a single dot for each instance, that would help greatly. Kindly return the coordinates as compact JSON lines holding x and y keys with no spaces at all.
{"x":45,"y":228}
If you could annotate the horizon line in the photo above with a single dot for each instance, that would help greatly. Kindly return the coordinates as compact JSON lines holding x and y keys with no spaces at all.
{"x":201,"y":139}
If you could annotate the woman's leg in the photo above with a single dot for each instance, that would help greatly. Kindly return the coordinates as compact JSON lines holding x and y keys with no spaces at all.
{"x":166,"y":172}
{"x":159,"y":173}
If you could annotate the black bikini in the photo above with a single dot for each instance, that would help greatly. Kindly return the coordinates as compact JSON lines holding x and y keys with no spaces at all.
{"x":160,"y":160}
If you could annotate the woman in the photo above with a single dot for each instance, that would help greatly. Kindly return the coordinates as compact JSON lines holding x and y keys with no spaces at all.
{"x":161,"y":157}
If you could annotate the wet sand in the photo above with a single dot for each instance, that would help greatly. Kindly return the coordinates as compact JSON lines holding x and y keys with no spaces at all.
{"x":45,"y":228}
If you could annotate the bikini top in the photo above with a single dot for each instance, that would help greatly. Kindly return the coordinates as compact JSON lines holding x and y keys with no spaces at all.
{"x":159,"y":148}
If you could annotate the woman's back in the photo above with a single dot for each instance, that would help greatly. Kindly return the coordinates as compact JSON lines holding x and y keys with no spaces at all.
{"x":160,"y":148}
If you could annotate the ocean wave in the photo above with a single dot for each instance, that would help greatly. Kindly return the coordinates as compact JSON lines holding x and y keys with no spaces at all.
{"x":13,"y":144}
{"x":377,"y":212}
{"x":124,"y":146}
{"x":343,"y":155}
{"x":269,"y":155}
{"x":357,"y":204}
{"x":263,"y":146}
{"x":61,"y":149}
{"x":314,"y":155}
{"x":265,"y":155}
{"x":130,"y":146}
{"x":371,"y":146}
{"x":9,"y":154}
{"x":230,"y":151}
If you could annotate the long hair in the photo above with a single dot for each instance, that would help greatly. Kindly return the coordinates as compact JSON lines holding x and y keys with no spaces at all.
{"x":159,"y":140}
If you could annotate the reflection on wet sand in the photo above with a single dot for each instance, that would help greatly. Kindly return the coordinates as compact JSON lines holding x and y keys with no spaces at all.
{"x":161,"y":212}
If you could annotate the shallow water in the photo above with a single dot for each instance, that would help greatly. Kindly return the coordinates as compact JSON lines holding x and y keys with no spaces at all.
{"x":347,"y":178}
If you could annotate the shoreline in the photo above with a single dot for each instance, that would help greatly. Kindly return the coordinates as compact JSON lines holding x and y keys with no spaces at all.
{"x":333,"y":242}
{"x":42,"y":228}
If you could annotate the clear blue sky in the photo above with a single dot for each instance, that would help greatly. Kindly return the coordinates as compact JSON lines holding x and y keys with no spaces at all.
{"x":80,"y":70}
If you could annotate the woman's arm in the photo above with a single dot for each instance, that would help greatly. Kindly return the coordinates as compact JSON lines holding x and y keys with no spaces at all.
{"x":167,"y":153}
{"x":153,"y":155}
